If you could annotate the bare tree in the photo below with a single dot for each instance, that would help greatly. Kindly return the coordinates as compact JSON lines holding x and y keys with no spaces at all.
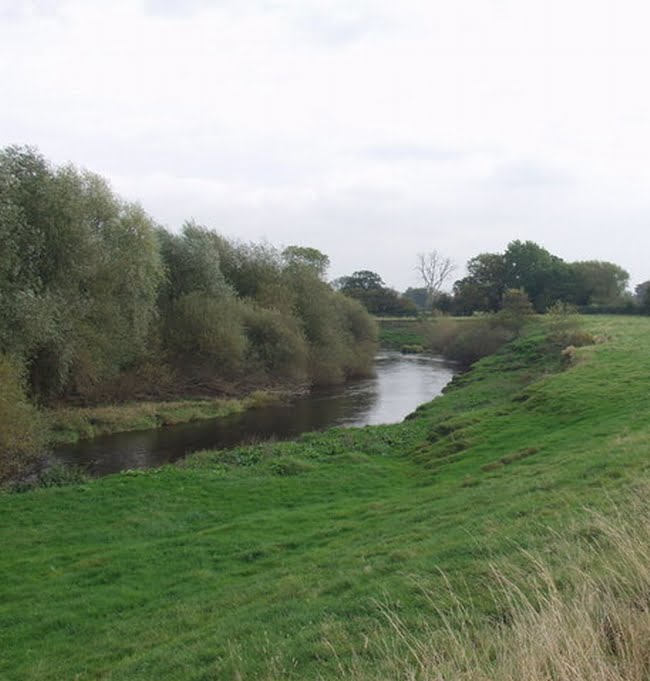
{"x":434,"y":269}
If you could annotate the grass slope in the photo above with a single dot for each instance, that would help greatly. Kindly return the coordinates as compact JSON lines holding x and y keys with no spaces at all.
{"x":269,"y":562}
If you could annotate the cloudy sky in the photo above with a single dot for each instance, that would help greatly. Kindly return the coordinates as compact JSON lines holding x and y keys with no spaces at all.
{"x":370,"y":129}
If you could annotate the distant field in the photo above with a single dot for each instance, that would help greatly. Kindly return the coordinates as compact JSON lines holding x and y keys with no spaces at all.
{"x":276,"y":561}
{"x":396,"y":333}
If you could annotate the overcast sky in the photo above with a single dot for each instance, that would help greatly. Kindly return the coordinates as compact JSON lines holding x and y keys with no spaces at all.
{"x":370,"y":129}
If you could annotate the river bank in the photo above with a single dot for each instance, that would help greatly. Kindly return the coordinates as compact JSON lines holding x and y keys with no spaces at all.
{"x":67,"y":425}
{"x":301,"y":547}
{"x":399,"y":385}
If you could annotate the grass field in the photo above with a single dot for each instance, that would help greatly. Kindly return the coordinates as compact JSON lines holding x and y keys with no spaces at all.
{"x":280,"y":561}
{"x":395,"y":333}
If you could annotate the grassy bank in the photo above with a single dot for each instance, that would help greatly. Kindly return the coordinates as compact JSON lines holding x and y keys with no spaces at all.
{"x":70,"y":424}
{"x":288,"y":560}
{"x":397,"y":333}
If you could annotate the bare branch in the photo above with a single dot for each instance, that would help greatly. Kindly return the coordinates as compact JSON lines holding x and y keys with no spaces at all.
{"x":434,"y":269}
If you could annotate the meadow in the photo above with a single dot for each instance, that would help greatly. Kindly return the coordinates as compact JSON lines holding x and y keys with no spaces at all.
{"x":336,"y":554}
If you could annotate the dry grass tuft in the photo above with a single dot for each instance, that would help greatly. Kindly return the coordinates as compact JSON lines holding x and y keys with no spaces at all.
{"x":591,"y":624}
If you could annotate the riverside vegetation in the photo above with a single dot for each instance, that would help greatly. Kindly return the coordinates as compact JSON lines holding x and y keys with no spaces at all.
{"x":101,"y":306}
{"x":486,"y":537}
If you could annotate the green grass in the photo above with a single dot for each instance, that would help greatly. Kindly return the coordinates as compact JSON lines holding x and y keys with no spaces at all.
{"x":70,"y":424}
{"x":396,"y":333}
{"x":270,"y":561}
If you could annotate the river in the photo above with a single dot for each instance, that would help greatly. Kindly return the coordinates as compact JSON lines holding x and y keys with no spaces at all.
{"x":400,"y":384}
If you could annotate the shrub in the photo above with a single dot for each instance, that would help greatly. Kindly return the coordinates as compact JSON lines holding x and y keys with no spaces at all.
{"x":467,"y":340}
{"x":516,"y":310}
{"x":276,"y":346}
{"x":21,"y":428}
{"x":359,"y":333}
{"x":207,"y":334}
{"x":565,"y":326}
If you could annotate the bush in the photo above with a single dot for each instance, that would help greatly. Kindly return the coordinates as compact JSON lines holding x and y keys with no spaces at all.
{"x":21,"y":429}
{"x":565,"y":326}
{"x":516,"y":311}
{"x":276,"y":347}
{"x":207,"y":335}
{"x":467,"y":340}
{"x":359,"y":332}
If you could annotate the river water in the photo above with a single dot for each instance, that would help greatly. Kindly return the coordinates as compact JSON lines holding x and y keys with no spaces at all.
{"x":401,"y":383}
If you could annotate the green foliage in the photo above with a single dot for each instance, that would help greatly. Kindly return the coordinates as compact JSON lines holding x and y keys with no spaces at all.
{"x":483,"y":288}
{"x":207,"y":335}
{"x":516,"y":310}
{"x":79,"y":276}
{"x":21,"y":427}
{"x":192,"y":262}
{"x":419,"y":296}
{"x":277,"y":347}
{"x":544,"y":277}
{"x":599,"y":283}
{"x":411,"y":349}
{"x":340,"y":334}
{"x":466,"y":340}
{"x":369,"y":289}
{"x":566,"y":330}
{"x":643,"y":296}
{"x":93,"y":295}
{"x":301,"y":256}
{"x":395,"y":333}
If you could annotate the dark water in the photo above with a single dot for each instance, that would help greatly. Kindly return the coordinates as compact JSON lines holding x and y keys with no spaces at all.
{"x":402,"y":382}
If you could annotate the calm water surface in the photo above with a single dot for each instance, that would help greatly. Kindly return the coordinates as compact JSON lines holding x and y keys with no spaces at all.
{"x":401,"y":383}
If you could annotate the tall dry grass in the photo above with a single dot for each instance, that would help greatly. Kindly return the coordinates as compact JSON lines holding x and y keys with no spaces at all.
{"x":588,"y":618}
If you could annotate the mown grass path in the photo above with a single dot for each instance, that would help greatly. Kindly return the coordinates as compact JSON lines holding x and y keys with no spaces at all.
{"x":264,"y":561}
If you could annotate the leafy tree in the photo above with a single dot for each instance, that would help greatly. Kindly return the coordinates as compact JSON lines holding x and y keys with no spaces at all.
{"x":419,"y":296}
{"x":598,"y":282}
{"x":79,"y":274}
{"x":93,"y":295}
{"x":641,"y":293}
{"x":301,"y":256}
{"x":516,"y":310}
{"x":645,"y":300}
{"x":192,"y":262}
{"x":369,"y":289}
{"x":544,"y":277}
{"x":483,"y":288}
{"x":362,"y":280}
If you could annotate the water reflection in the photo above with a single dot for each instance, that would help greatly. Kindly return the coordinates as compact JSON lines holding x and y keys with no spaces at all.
{"x":401,"y":383}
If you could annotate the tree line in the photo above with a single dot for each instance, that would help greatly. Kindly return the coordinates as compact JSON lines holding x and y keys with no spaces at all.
{"x":98,"y":302}
{"x":546,"y":279}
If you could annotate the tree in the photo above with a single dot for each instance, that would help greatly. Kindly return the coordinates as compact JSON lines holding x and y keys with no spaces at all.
{"x":643,"y":296}
{"x":598,"y":282}
{"x":516,"y":310}
{"x":419,"y":296}
{"x":369,"y":289}
{"x":483,"y":287}
{"x":361,"y":280}
{"x":641,"y":292}
{"x":544,"y":277}
{"x":434,"y":269}
{"x":304,"y":256}
{"x":78,"y":275}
